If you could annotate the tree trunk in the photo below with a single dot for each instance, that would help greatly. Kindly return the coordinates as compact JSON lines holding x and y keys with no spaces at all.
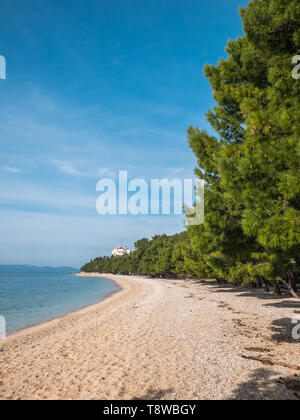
{"x":260,"y":283}
{"x":277,"y":288}
{"x":293,"y":281}
{"x":290,"y":282}
{"x":266,"y":284}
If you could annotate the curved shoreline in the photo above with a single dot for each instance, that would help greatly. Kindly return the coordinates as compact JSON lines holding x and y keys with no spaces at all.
{"x":44,"y":324}
{"x":154,"y":339}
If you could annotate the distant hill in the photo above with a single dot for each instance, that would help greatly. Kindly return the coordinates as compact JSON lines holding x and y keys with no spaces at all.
{"x":34,"y":269}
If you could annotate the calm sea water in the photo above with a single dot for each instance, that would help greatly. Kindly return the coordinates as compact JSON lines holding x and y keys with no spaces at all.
{"x":27,"y":299}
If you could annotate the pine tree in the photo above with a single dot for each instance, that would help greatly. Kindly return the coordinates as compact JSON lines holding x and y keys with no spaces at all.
{"x":251,"y":168}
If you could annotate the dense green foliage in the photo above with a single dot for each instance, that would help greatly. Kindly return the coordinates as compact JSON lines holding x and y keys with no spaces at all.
{"x":251,"y":169}
{"x":161,"y":256}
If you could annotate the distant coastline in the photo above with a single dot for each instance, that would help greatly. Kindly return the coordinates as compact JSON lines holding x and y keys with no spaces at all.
{"x":9,"y":268}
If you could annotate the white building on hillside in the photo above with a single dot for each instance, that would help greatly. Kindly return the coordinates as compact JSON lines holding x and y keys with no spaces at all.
{"x":120,"y":251}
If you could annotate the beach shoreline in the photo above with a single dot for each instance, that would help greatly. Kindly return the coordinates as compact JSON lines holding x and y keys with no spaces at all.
{"x":31,"y":328}
{"x":155,"y":339}
{"x":81,"y":274}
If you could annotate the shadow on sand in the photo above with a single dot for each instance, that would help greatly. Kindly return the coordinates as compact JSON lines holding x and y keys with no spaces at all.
{"x":153,"y":394}
{"x":285,"y":301}
{"x":265,"y":384}
{"x":282,"y":331}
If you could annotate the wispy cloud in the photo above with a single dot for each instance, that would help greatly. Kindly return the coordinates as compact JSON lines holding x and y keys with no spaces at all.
{"x":62,"y":127}
{"x":67,"y":168}
{"x":11,"y":169}
{"x":38,"y":195}
{"x":106,"y":172}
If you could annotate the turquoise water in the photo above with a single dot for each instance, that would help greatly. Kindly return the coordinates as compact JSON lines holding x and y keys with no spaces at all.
{"x":27,"y":299}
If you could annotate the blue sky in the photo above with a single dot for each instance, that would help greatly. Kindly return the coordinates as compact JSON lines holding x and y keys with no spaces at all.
{"x":94,"y":87}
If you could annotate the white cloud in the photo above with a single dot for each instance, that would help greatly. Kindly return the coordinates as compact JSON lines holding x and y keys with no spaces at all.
{"x":106,"y":172}
{"x":66,"y":167}
{"x":69,"y":168}
{"x":11,"y":169}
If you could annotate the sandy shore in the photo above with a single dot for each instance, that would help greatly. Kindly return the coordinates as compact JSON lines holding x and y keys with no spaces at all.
{"x":158,"y":339}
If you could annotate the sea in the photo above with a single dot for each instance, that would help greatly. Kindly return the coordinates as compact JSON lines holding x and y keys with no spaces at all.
{"x":32,"y":295}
